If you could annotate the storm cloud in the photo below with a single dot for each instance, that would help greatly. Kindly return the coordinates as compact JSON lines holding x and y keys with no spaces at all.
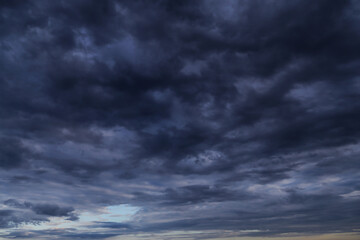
{"x":217,"y":118}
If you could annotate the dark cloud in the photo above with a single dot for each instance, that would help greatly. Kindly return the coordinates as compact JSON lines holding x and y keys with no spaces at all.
{"x":197,"y":193}
{"x":51,"y":210}
{"x":13,"y":219}
{"x":12,"y":153}
{"x":16,"y":204}
{"x":205,"y":115}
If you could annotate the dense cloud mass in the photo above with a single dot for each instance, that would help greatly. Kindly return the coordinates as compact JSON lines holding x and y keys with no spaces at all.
{"x":201,"y":119}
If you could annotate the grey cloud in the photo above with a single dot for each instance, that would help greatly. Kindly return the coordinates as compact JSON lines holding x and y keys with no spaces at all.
{"x":181,"y":108}
{"x":12,"y":219}
{"x":46,"y":209}
{"x":12,"y":153}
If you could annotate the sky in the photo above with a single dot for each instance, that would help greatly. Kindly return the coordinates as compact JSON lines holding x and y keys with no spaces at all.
{"x":169,"y":120}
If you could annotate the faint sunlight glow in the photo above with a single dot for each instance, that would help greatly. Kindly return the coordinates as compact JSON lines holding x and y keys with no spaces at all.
{"x":116,"y":213}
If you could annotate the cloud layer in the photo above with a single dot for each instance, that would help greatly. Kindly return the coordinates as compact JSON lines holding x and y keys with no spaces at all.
{"x":229,"y":118}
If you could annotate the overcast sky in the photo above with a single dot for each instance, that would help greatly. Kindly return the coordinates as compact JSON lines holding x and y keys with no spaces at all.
{"x":214,"y":119}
